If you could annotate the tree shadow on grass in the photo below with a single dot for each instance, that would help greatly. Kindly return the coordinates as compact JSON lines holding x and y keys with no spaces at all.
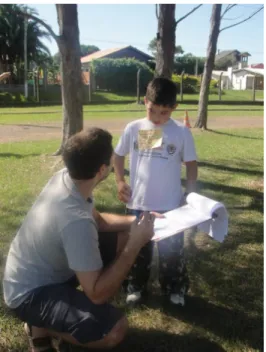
{"x":160,"y":341}
{"x":18,"y":156}
{"x":225,"y":323}
{"x":141,"y":340}
{"x":231,"y":274}
{"x":257,"y":197}
{"x":233,"y":135}
{"x":230,"y":169}
{"x":27,"y":125}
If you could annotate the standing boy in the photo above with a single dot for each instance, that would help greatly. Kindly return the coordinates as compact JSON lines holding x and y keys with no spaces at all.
{"x":157,"y":146}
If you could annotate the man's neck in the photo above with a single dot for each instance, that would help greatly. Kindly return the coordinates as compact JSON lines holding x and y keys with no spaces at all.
{"x":85,"y":187}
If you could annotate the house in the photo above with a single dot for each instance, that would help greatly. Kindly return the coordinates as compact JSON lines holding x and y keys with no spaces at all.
{"x":116,"y":53}
{"x":257,"y":65}
{"x":240,"y":78}
{"x":228,"y":58}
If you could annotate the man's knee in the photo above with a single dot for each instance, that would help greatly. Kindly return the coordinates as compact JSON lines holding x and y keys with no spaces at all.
{"x":117,"y":334}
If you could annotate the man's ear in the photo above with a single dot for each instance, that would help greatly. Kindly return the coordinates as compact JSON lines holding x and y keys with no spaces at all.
{"x":174,"y":107}
{"x":102,"y":169}
{"x":145,"y":100}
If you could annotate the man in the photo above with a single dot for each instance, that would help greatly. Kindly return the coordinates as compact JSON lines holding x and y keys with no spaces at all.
{"x":59,"y":241}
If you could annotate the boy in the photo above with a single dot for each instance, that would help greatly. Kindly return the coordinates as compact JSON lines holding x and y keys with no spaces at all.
{"x":157,"y":146}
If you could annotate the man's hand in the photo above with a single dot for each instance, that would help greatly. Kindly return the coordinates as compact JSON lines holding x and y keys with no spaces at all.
{"x":142,"y":230}
{"x":124,"y":192}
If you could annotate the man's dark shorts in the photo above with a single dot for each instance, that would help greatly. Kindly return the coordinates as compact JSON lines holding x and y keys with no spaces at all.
{"x":65,"y":309}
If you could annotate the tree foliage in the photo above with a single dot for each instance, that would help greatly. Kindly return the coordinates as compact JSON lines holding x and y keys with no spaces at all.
{"x":88,"y":49}
{"x":153,"y":48}
{"x":12,"y":38}
{"x":187,"y":63}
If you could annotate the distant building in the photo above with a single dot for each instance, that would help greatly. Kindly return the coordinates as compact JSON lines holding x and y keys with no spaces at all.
{"x":256,"y":66}
{"x":231,"y":58}
{"x":116,"y":53}
{"x":241,"y":78}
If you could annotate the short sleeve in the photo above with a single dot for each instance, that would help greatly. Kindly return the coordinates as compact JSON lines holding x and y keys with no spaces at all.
{"x":188,"y":150}
{"x":81,"y":245}
{"x":123,"y":146}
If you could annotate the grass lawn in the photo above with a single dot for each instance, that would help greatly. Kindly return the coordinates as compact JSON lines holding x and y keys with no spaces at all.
{"x":228,"y":95}
{"x":224,"y":309}
{"x":51,"y":114}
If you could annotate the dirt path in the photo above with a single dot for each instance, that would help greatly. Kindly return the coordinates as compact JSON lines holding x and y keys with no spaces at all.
{"x":31,"y":132}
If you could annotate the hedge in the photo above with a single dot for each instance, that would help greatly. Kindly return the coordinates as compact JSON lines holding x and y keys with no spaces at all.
{"x":120,"y":75}
{"x":191,"y":84}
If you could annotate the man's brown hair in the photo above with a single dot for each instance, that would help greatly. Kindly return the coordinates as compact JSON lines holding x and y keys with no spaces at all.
{"x":86,"y":151}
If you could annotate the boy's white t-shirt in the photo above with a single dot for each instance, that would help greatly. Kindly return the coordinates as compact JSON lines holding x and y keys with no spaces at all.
{"x":155,"y":165}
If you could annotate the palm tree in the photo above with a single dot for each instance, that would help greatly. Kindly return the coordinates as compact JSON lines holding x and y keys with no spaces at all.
{"x":12,"y":38}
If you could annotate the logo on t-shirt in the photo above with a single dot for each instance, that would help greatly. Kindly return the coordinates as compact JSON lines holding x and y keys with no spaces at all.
{"x":171,"y":149}
{"x":136,"y":145}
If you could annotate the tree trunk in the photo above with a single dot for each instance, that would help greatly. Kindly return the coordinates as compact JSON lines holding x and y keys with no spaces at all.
{"x":45,"y":78}
{"x":208,"y":67}
{"x":165,"y":41}
{"x":70,"y":70}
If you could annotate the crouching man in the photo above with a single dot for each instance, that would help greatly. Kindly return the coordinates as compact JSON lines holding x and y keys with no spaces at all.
{"x":64,"y":243}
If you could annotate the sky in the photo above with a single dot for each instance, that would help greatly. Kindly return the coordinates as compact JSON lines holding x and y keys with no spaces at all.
{"x":117,"y":25}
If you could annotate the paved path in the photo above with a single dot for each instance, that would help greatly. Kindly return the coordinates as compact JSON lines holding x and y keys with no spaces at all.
{"x":31,"y":132}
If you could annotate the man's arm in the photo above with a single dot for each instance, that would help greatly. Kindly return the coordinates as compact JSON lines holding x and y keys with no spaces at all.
{"x":191,"y":176}
{"x":101,"y":285}
{"x":113,"y":222}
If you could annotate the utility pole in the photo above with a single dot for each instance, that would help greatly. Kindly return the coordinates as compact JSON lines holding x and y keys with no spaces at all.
{"x":25,"y":56}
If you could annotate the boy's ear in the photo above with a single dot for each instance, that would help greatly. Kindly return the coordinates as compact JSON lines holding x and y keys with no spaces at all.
{"x":175,"y":106}
{"x":145,"y":100}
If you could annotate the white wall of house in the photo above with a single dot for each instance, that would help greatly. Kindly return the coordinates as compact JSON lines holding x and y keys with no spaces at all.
{"x":239,"y":80}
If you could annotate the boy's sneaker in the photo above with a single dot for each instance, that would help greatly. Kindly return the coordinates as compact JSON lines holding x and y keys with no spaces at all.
{"x":133,"y":298}
{"x":177,"y":299}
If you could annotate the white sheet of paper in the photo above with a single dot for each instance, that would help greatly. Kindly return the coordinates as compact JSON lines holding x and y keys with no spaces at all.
{"x":198,"y":212}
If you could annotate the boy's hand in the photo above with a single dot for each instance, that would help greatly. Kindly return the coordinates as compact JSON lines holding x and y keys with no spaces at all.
{"x":142,"y":230}
{"x":157,"y":215}
{"x":124,"y":192}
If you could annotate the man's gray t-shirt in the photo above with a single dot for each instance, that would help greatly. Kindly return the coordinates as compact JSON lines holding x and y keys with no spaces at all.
{"x":58,"y":237}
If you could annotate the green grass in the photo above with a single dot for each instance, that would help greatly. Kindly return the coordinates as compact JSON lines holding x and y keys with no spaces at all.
{"x":50,"y":114}
{"x":53,"y":96}
{"x":228,"y":95}
{"x":224,"y":309}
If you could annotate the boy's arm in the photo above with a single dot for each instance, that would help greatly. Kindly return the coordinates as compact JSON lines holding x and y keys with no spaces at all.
{"x":119,"y":166}
{"x":124,"y":190}
{"x":191,"y":176}
{"x":190,"y":160}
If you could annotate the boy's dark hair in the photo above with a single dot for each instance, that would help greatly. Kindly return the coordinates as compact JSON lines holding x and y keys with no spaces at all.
{"x":162,"y":91}
{"x":86,"y":151}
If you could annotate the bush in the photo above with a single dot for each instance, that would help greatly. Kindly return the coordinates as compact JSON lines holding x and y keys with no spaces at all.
{"x":120,"y":75}
{"x":7,"y":98}
{"x":191,"y":84}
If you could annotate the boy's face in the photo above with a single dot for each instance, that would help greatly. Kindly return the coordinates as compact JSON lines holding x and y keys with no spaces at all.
{"x":158,"y":114}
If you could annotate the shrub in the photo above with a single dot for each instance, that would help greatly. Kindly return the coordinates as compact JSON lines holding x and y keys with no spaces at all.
{"x":120,"y":75}
{"x":191,"y":84}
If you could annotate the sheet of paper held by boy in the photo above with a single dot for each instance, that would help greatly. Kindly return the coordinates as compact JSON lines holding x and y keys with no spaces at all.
{"x":207,"y":214}
{"x":150,"y":139}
